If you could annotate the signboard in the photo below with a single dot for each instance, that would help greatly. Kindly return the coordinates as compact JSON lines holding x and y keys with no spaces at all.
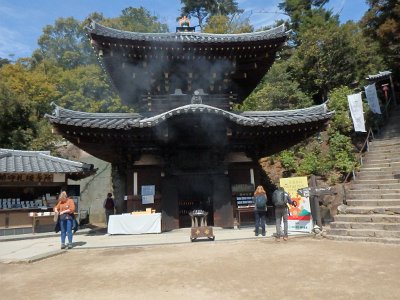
{"x":300,"y":216}
{"x":322,"y":191}
{"x":24,"y":177}
{"x":148,"y":192}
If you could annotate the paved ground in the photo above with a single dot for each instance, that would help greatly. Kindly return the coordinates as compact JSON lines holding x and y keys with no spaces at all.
{"x":168,"y":266}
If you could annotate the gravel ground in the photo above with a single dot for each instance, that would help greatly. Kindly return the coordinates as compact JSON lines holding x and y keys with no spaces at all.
{"x":244,"y":269}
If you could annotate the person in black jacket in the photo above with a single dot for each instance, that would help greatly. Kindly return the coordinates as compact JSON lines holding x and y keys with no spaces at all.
{"x":109,"y":206}
{"x":281,"y":199}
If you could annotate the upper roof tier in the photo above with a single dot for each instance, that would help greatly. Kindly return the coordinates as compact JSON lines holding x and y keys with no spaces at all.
{"x":142,"y":65}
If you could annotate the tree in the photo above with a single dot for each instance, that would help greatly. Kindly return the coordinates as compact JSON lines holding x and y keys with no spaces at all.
{"x":22,"y":97}
{"x":85,"y":88}
{"x":201,"y":10}
{"x":65,"y":43}
{"x":324,"y":60}
{"x":4,"y":61}
{"x":300,"y":11}
{"x":382,"y":23}
{"x":277,"y":91}
{"x":137,"y":20}
{"x":222,"y":24}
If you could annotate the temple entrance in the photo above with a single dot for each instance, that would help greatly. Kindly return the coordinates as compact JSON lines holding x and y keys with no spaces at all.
{"x":194,"y":193}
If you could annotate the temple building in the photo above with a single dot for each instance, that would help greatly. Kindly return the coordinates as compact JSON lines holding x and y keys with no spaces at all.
{"x":185,"y":139}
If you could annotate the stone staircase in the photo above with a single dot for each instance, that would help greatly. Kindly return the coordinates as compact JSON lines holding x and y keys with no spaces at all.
{"x":372,"y":213}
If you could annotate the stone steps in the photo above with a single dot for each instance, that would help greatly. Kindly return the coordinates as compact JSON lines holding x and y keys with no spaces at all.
{"x":363,"y":195}
{"x":375,"y":181}
{"x":363,"y":210}
{"x":366,"y":225}
{"x":372,"y":176}
{"x":380,"y":160}
{"x":372,"y":213}
{"x":383,"y":186}
{"x":364,"y":239}
{"x":373,"y":202}
{"x":374,"y":218}
{"x":366,"y":232}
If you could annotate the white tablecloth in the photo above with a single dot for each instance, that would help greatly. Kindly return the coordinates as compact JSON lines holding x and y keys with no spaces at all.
{"x":134,"y":224}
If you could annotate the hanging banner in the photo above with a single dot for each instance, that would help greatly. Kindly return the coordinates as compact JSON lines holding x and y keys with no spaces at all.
{"x":356,"y":110}
{"x":372,"y":98}
{"x":300,"y":216}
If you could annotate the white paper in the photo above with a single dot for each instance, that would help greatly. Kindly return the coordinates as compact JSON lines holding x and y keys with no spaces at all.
{"x":147,"y":199}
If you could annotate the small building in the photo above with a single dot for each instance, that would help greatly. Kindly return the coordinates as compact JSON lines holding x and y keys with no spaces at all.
{"x":30,"y":182}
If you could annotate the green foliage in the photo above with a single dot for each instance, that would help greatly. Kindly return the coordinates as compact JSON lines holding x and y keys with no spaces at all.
{"x":340,"y":152}
{"x":201,"y":10}
{"x":222,"y":24}
{"x":277,"y":91}
{"x":65,"y":43}
{"x":135,"y":19}
{"x":382,"y":23}
{"x":341,"y":122}
{"x":288,"y":160}
{"x":324,"y":60}
{"x":300,"y":10}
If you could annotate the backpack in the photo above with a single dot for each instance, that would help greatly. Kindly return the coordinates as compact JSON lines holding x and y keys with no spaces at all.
{"x":261,"y":202}
{"x":279,"y":199}
{"x":109,"y":203}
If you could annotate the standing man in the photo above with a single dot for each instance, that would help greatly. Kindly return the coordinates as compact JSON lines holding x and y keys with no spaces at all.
{"x":280,"y":200}
{"x":109,"y":206}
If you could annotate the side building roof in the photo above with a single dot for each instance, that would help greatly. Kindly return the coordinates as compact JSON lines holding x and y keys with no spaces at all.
{"x":21,"y":161}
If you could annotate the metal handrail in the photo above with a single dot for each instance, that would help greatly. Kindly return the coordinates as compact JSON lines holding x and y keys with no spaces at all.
{"x":365,"y":145}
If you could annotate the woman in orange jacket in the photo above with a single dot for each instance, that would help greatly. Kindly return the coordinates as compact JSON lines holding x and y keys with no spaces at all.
{"x":65,"y":208}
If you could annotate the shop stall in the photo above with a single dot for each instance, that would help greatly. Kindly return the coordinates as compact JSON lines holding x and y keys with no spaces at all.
{"x":30,"y":182}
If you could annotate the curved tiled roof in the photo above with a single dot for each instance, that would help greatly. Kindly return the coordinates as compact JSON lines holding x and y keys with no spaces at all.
{"x":250,"y":118}
{"x":19,"y":161}
{"x":97,"y":29}
{"x":379,"y":76}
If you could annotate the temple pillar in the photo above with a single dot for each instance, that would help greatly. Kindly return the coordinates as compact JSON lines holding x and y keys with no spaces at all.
{"x":169,"y":204}
{"x":222,"y":201}
{"x":119,"y":179}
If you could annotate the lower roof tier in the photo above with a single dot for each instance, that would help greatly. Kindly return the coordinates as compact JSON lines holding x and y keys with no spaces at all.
{"x":118,"y":137}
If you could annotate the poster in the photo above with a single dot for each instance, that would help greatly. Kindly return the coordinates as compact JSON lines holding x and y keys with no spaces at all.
{"x":300,"y":216}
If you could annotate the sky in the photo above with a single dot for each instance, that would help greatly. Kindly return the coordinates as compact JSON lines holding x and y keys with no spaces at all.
{"x":22,"y":21}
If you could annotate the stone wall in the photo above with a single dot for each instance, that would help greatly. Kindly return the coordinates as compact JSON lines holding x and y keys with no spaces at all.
{"x":94,"y":188}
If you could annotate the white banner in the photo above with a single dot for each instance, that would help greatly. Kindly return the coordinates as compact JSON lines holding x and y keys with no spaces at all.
{"x":356,"y":110}
{"x":372,"y":98}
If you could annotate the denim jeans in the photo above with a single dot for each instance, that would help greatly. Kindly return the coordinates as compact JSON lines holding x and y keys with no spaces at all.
{"x":66,"y":229}
{"x":260,"y":220}
{"x":281,"y":213}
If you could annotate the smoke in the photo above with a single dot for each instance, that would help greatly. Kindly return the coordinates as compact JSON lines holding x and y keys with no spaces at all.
{"x":160,"y":72}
